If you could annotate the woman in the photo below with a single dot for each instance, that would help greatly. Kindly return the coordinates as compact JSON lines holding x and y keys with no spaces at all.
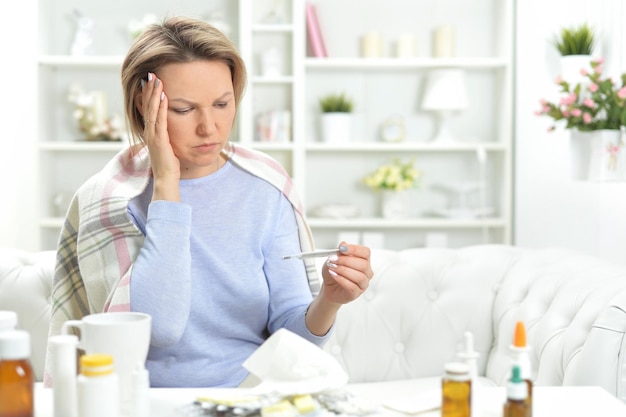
{"x":192,"y":229}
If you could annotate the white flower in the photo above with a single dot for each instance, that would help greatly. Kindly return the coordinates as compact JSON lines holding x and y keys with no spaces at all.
{"x":397,"y":176}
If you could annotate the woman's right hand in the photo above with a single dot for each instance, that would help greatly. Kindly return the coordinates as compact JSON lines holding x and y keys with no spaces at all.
{"x":165,"y":164}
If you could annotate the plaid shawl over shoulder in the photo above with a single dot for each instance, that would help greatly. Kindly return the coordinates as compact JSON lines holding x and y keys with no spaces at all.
{"x":99,"y":243}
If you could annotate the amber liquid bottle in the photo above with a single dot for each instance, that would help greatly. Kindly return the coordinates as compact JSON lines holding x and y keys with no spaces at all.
{"x":16,"y":375}
{"x":517,"y":395}
{"x":456,"y":391}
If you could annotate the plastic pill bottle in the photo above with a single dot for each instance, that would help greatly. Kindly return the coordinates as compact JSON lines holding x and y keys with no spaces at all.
{"x":97,"y":387}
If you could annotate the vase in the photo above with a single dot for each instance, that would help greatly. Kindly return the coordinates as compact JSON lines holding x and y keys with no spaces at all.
{"x":597,"y":155}
{"x":571,"y":65}
{"x":607,"y":154}
{"x":336,"y":127}
{"x":395,"y":204}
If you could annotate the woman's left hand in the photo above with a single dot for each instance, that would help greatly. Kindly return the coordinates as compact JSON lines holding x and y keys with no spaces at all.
{"x":347,"y":274}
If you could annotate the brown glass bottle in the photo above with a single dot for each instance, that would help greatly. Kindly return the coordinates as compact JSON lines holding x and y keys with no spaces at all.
{"x":456,"y":390}
{"x":16,"y":375}
{"x":517,"y":396}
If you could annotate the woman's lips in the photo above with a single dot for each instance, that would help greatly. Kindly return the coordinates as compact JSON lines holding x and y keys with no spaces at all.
{"x":206,"y":147}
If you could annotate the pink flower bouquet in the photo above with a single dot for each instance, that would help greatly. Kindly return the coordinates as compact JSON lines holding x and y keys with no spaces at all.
{"x":596,"y":103}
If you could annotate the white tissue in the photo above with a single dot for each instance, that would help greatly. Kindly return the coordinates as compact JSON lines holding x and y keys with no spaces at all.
{"x":290,"y":365}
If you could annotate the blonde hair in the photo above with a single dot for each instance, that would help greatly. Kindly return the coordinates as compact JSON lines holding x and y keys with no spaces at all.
{"x":175,"y":40}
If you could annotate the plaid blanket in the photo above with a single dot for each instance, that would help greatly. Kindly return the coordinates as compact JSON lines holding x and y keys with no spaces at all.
{"x":99,"y":242}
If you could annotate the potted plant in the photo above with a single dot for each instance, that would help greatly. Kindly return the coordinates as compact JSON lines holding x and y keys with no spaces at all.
{"x":394,"y":180}
{"x":336,"y":117}
{"x":596,"y":107}
{"x":575,"y":44}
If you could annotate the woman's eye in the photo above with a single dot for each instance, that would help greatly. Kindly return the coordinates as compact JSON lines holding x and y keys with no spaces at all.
{"x":182,"y":111}
{"x":221,"y":105}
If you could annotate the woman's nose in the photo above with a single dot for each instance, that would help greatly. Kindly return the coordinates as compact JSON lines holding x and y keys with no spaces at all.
{"x":206,"y":123}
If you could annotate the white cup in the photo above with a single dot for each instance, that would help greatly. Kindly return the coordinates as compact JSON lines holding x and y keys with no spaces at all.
{"x":123,"y":335}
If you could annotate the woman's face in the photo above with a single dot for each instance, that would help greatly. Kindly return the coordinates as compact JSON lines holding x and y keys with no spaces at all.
{"x":200,"y":115}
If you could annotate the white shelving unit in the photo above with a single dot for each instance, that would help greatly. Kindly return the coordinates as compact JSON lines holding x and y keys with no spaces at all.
{"x":324,"y":173}
{"x":386,"y":86}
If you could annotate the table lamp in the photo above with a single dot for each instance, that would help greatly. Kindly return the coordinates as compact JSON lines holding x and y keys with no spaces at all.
{"x":445,"y":94}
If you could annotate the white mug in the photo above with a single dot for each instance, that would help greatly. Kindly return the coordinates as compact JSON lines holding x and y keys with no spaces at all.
{"x":124,"y":335}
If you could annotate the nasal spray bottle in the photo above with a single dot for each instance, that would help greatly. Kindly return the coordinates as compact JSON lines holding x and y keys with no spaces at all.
{"x":521,"y":358}
{"x":470,"y":357}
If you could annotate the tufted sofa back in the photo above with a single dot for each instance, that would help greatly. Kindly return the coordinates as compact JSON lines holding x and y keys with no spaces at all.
{"x":412,"y":319}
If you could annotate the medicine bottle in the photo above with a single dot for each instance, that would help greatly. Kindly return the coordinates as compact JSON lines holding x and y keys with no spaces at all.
{"x":516,"y":396}
{"x":16,"y":374}
{"x":521,"y":357}
{"x":456,"y":391}
{"x":97,"y":387}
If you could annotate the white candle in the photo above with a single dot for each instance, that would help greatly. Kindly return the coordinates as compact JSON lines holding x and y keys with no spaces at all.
{"x":372,"y":45}
{"x":406,"y":46}
{"x":99,"y":106}
{"x":444,"y":41}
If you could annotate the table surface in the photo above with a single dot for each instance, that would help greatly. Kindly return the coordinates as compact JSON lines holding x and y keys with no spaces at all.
{"x":547,"y":401}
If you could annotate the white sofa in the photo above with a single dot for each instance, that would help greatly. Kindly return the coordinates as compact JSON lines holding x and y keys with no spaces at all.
{"x":412,"y":319}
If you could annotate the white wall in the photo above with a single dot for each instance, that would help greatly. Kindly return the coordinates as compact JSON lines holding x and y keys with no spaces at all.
{"x":550,"y":208}
{"x":18,"y":108}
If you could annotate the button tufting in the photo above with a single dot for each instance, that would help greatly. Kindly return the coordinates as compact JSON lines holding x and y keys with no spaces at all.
{"x":336,"y":350}
{"x":399,"y":347}
{"x":432,"y":295}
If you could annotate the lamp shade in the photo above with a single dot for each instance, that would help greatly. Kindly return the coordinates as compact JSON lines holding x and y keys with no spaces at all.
{"x":445,"y":90}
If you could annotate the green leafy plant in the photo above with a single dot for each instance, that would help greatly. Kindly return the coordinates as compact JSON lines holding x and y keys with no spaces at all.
{"x":336,"y":103}
{"x":396,"y":176}
{"x":575,"y":40}
{"x":598,"y":103}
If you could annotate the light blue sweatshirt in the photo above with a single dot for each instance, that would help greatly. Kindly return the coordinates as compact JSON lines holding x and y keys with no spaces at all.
{"x":211,"y":275}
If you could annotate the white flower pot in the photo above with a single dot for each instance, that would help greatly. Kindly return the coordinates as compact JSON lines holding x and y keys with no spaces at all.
{"x":395,"y":204}
{"x":597,"y":155}
{"x":607,"y":156}
{"x":336,"y":127}
{"x":571,"y":65}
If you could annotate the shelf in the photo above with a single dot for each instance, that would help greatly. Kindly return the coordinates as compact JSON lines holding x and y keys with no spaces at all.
{"x":403,"y":63}
{"x":405,"y":147}
{"x":82,"y":146}
{"x":371,"y":223}
{"x":410,"y":223}
{"x":272,"y":28}
{"x":69,"y":61}
{"x":285,"y":79}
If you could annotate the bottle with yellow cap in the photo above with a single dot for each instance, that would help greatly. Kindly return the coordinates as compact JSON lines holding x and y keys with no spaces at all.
{"x":97,"y":387}
{"x":521,"y":358}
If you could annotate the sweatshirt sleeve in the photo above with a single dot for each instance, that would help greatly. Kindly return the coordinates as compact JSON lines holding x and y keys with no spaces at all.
{"x":160,"y":283}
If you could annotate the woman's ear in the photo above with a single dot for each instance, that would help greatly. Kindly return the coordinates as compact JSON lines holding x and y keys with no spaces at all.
{"x":139,"y":102}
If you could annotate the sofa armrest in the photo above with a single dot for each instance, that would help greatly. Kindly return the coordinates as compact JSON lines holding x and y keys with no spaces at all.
{"x":602,"y":359}
{"x":25,"y":285}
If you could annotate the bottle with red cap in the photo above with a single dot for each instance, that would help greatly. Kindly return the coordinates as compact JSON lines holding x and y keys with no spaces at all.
{"x":521,"y":358}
